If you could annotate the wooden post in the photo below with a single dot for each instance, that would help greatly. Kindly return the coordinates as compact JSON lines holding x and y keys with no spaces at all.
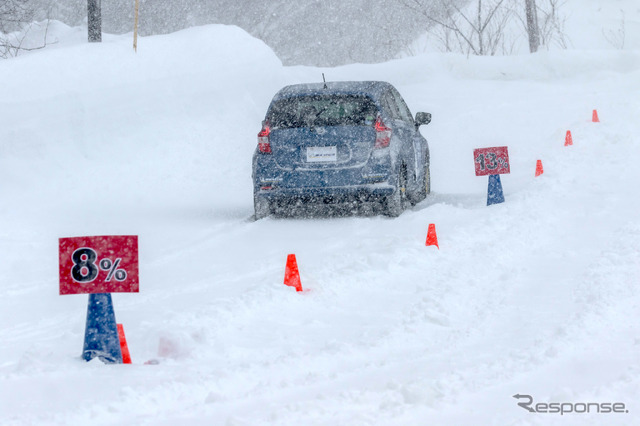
{"x":135,"y":26}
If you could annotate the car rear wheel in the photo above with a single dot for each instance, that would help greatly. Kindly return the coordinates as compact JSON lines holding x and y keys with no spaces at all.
{"x":395,"y":203}
{"x":261,"y":207}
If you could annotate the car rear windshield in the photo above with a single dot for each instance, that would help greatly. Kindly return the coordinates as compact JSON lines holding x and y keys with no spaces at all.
{"x":322,"y":110}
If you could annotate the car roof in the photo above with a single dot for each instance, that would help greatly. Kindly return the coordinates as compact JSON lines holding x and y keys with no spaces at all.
{"x":374,"y":89}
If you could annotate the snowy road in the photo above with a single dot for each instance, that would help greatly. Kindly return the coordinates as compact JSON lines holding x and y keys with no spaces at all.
{"x":536,"y":296}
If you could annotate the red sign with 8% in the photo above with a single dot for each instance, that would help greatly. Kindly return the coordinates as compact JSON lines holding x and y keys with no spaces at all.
{"x":105,"y":264}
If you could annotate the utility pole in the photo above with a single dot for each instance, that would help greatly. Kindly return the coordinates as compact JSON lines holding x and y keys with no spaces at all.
{"x":532,"y":25}
{"x":94,"y":19}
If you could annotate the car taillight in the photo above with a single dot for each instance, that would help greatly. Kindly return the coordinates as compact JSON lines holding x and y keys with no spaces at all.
{"x":264,"y":146}
{"x":383,"y":134}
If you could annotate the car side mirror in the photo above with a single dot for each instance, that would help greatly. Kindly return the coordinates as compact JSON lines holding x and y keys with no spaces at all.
{"x":422,"y":118}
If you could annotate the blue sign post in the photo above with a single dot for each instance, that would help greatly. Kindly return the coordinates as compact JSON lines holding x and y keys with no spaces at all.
{"x":494,"y":193}
{"x":101,"y":334}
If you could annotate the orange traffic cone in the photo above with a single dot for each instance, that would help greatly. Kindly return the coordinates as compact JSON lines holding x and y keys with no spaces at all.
{"x":568,"y":140}
{"x":126,"y":356}
{"x":432,"y":238}
{"x":291,"y":273}
{"x":595,"y":118}
{"x":539,"y":169}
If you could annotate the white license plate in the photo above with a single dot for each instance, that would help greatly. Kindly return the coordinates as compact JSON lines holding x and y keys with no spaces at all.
{"x":321,"y":154}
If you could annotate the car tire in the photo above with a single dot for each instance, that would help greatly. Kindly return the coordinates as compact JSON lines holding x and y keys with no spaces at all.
{"x":261,"y":207}
{"x":426,"y":183}
{"x":395,"y":203}
{"x":425,"y":186}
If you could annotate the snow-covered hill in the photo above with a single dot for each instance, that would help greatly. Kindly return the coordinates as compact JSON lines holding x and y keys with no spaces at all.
{"x":535,"y":296}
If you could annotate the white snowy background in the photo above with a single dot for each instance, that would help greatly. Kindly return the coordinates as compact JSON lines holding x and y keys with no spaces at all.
{"x":539,"y":295}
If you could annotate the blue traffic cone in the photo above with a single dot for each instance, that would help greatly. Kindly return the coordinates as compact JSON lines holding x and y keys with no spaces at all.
{"x":101,"y":335}
{"x":495,"y":194}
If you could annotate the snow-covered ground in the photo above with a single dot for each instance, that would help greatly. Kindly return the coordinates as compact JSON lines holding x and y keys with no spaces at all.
{"x":539,"y":295}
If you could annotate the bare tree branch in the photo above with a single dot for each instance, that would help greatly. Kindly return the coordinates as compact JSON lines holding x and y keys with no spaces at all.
{"x":616,"y":38}
{"x":16,"y":25}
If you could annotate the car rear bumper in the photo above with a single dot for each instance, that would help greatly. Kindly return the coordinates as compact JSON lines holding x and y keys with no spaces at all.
{"x":372,"y":181}
{"x":328,"y":195}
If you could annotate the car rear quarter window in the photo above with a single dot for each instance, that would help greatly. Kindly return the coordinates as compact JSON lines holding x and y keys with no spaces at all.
{"x":397,"y":107}
{"x":389,"y":104}
{"x":322,"y":110}
{"x":403,"y":109}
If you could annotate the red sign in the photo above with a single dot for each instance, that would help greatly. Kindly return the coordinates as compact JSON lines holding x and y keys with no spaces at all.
{"x":491,"y":161}
{"x":107,"y":264}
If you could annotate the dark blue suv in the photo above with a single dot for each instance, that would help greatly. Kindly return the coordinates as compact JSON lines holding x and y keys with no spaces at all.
{"x":340,"y":142}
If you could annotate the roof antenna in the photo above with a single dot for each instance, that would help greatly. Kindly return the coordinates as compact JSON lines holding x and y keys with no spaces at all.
{"x":324,"y":81}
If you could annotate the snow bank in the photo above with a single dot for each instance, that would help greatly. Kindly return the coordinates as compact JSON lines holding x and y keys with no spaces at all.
{"x":540,"y":66}
{"x":216,"y":50}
